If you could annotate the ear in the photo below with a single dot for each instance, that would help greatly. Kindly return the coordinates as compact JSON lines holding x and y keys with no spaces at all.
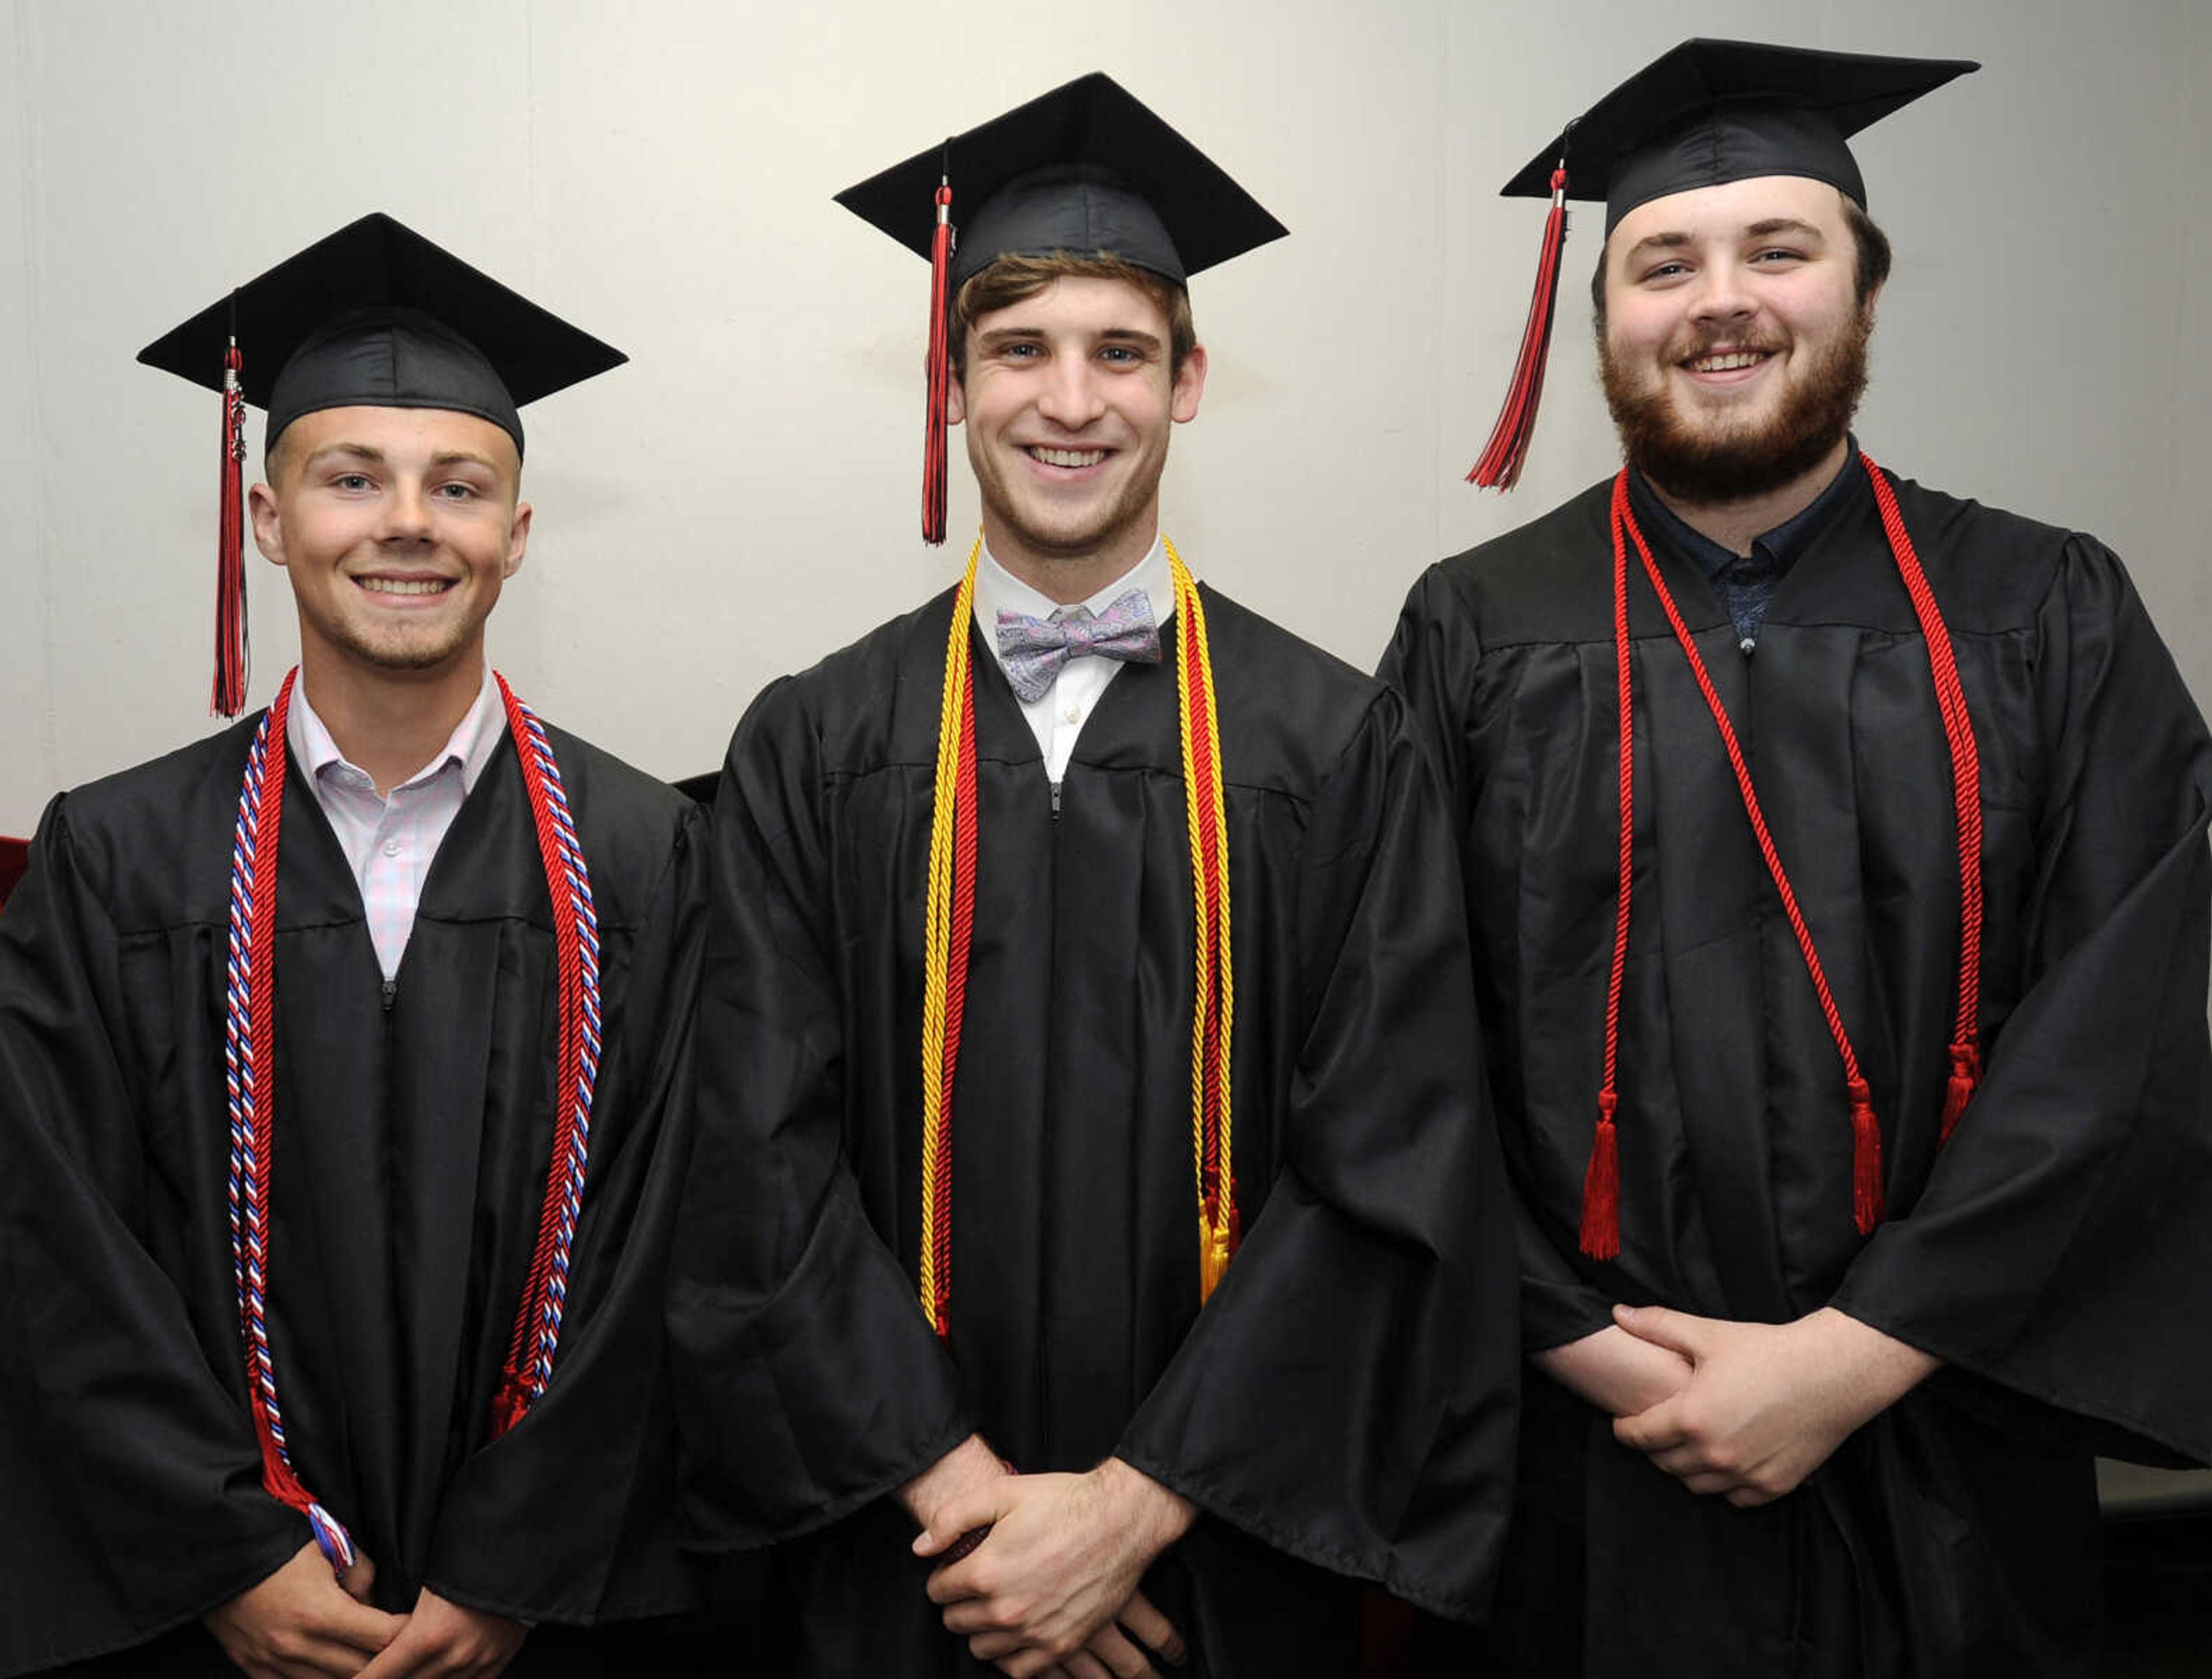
{"x":1189,"y":386}
{"x":956,"y":398}
{"x":518,"y":539}
{"x":268,"y":529}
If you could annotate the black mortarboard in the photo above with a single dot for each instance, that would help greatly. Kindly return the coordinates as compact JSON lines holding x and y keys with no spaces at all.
{"x":1084,"y":169}
{"x":377,"y":316}
{"x":1702,"y":115}
{"x":372,"y":316}
{"x":1712,"y":111}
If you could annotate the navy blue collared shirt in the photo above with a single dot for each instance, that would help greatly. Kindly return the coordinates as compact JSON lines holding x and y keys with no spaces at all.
{"x":1745,"y":583}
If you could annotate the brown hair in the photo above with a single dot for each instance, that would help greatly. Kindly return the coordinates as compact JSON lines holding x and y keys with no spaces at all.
{"x":1011,"y":279}
{"x":1869,"y":266}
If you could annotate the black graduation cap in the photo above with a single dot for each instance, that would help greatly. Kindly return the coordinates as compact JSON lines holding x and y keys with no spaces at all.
{"x":377,"y":315}
{"x":1711,"y":111}
{"x":374,"y":315}
{"x":1085,"y":169}
{"x":1702,"y":115}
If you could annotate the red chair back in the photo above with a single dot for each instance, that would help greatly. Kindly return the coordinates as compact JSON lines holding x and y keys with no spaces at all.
{"x":15,"y":857}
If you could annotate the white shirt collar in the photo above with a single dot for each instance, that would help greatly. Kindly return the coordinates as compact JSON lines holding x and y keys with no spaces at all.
{"x":471,"y":745}
{"x":998,"y":590}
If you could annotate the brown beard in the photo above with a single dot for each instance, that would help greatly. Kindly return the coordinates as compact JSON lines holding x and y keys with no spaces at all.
{"x":1736,"y":462}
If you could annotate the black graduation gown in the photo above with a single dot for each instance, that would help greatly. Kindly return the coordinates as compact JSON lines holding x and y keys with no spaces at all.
{"x":410,"y":1153}
{"x":2056,"y":1254}
{"x":1342,"y":1409}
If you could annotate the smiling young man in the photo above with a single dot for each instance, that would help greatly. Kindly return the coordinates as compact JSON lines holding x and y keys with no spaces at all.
{"x":337,"y":1148}
{"x":1846,"y":1012}
{"x":1078,"y":948}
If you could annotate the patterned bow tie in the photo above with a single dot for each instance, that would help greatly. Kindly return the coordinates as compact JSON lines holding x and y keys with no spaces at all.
{"x":1032,"y":650}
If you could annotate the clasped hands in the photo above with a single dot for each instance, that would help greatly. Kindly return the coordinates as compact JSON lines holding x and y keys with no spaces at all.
{"x":1050,"y":1592}
{"x":1744,"y":1411}
{"x":305,"y":1621}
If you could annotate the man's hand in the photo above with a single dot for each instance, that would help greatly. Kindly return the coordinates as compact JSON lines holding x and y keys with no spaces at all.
{"x":1122,"y":1649}
{"x":1061,"y":1564}
{"x":969,"y":1466}
{"x":1615,"y":1372}
{"x":439,"y":1640}
{"x":1765,"y":1403}
{"x":300,"y":1621}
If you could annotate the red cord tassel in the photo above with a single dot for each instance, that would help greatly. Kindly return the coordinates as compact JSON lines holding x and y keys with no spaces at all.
{"x":507,"y":1402}
{"x":226,"y":696}
{"x":1601,"y":1232}
{"x":1500,"y":465}
{"x":1866,"y":1159}
{"x":1965,"y":1075}
{"x":940,"y":372}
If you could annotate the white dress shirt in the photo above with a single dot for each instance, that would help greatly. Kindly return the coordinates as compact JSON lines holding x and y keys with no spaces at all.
{"x":390,"y":842}
{"x":1058,"y":715}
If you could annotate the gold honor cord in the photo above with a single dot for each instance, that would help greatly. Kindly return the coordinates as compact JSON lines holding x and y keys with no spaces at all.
{"x":940,"y":998}
{"x":948,"y":918}
{"x":1214,"y":997}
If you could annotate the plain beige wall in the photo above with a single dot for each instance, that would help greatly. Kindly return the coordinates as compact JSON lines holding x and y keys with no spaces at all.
{"x":742,"y":497}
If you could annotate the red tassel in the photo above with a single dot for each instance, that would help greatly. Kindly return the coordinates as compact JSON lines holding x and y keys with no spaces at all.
{"x":226,"y":696}
{"x":964,"y":1544}
{"x":1601,"y":1232}
{"x":1500,"y":465}
{"x":1966,"y":1076}
{"x":940,"y":372}
{"x":1866,"y":1159}
{"x":507,"y":1404}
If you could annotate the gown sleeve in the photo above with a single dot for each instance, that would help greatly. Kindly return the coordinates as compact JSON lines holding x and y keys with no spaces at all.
{"x":547,"y":1521}
{"x":1348,"y":1393}
{"x":807,"y":1380}
{"x":2062,"y":1246}
{"x":1432,"y":660}
{"x":133,"y":1498}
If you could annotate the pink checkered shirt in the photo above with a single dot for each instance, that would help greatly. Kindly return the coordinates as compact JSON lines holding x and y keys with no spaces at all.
{"x":390,"y":842}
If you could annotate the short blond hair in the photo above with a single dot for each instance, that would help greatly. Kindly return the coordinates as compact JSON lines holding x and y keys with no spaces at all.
{"x":1011,"y":279}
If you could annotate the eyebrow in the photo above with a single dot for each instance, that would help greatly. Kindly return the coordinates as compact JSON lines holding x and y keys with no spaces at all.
{"x":1766,"y":229}
{"x":357,"y":451}
{"x":1655,"y":242}
{"x":1130,"y":335}
{"x":1755,"y":231}
{"x":375,"y":457}
{"x":1784,"y":224}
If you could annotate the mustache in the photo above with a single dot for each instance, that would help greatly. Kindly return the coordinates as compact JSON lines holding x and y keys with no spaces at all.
{"x":1696,"y":341}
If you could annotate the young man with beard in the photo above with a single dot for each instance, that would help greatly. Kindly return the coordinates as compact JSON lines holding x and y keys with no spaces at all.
{"x":343,"y":1074}
{"x":1845,"y":1011}
{"x":1078,"y":947}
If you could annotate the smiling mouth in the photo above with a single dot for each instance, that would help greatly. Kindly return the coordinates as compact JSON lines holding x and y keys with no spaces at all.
{"x":1051,"y":457}
{"x":405,"y":585}
{"x":1729,"y":361}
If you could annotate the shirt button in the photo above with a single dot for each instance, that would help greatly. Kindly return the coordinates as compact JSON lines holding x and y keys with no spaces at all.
{"x":1072,"y":715}
{"x":392,"y":847}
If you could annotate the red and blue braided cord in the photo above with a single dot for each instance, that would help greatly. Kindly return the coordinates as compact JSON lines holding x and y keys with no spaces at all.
{"x":249,"y":1061}
{"x":250,"y":1086}
{"x":576,"y":941}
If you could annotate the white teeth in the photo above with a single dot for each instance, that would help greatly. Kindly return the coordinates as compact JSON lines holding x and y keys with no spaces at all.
{"x":1069,"y":457}
{"x":1742,"y":358}
{"x":404,"y":586}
